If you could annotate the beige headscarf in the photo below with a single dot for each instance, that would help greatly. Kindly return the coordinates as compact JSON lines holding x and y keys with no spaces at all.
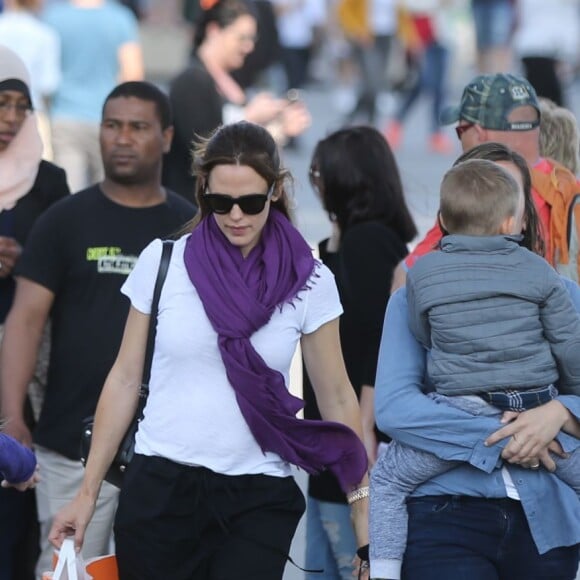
{"x":19,"y":162}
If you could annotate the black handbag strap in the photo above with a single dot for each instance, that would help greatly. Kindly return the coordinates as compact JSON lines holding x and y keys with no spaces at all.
{"x":161,"y":275}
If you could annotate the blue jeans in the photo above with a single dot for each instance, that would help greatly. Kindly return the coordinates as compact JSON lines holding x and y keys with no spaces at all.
{"x":432,"y":81}
{"x":330,"y":541}
{"x":468,"y":538}
{"x":494,"y":21}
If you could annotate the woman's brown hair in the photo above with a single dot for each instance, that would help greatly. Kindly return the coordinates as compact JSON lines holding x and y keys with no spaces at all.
{"x":240,"y":143}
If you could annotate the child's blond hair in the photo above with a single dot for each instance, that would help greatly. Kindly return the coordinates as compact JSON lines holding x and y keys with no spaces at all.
{"x":476,"y":197}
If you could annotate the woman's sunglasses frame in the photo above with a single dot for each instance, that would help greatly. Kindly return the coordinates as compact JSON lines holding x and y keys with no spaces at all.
{"x":250,"y":204}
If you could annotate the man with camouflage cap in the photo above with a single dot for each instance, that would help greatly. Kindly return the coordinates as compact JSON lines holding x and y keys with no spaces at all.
{"x":500,"y":108}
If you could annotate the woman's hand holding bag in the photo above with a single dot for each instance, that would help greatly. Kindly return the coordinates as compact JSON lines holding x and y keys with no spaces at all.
{"x":70,"y":523}
{"x":70,"y":565}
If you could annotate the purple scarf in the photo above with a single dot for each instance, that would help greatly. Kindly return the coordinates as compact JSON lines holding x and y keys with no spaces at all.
{"x":239,"y":296}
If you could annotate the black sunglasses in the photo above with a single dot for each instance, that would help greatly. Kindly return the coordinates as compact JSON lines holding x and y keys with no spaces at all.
{"x":251,"y":204}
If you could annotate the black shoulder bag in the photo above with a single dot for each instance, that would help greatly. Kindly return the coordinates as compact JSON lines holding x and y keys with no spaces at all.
{"x":127,"y":447}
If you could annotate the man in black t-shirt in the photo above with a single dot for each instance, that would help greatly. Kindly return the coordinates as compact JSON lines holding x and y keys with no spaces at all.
{"x":76,"y":258}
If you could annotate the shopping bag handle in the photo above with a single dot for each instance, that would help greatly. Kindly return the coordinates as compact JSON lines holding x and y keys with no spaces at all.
{"x":66,"y":560}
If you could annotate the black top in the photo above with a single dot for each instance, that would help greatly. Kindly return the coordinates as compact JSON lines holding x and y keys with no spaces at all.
{"x":363,"y":267}
{"x":197,"y":111}
{"x":82,"y":249}
{"x":50,"y":186}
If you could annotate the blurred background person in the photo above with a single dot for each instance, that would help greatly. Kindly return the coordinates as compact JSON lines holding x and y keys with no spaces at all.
{"x":428,"y":42}
{"x":559,"y":135}
{"x":266,"y":51}
{"x":138,"y":7}
{"x":99,"y":48}
{"x":205,"y":95}
{"x":38,"y":46}
{"x":546,"y":41}
{"x":494,"y":26}
{"x":28,"y":186}
{"x":266,"y":54}
{"x":298,"y":22}
{"x":370,"y":27}
{"x":355,"y":174}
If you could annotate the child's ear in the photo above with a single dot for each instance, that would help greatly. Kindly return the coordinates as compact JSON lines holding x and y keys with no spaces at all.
{"x":507,"y":227}
{"x":442,"y":227}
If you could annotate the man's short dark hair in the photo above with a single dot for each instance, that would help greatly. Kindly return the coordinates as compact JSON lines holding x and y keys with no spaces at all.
{"x":145,"y":91}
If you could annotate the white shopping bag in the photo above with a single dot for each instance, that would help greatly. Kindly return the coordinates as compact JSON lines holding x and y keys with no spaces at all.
{"x":70,"y":565}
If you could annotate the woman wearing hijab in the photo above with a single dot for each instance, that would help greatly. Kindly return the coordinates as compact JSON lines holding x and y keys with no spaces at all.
{"x":28,"y":186}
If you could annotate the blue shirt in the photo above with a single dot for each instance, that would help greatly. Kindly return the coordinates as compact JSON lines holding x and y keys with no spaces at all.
{"x":403,"y":412}
{"x":90,"y":40}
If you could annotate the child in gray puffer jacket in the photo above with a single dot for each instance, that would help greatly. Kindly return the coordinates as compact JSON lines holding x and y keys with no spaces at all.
{"x":500,"y":328}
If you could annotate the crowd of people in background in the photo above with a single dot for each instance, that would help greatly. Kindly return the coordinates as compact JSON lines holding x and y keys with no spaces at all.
{"x":382,"y":56}
{"x":97,"y":163}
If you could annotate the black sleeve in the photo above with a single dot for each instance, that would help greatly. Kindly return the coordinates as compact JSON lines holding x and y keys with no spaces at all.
{"x":183,"y":207}
{"x":44,"y":256}
{"x":60,"y":188}
{"x":197,"y":107}
{"x":369,"y":254}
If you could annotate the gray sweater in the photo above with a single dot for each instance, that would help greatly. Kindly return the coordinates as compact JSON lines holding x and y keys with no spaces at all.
{"x":494,"y":316}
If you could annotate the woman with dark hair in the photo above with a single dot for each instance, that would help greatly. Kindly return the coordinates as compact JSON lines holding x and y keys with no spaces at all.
{"x":356,"y":176}
{"x":209,"y":493}
{"x":206,"y":95}
{"x":478,"y":521}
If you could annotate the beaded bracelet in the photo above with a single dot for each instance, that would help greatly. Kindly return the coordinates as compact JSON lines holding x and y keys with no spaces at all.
{"x":357,"y":494}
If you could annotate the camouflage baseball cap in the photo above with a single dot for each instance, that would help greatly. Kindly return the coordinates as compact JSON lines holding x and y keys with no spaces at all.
{"x":488,"y":100}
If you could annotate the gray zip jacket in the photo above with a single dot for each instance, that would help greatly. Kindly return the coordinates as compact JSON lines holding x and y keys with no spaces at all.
{"x":494,"y":316}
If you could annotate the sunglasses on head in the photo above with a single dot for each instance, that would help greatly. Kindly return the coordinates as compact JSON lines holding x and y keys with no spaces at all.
{"x":251,"y":204}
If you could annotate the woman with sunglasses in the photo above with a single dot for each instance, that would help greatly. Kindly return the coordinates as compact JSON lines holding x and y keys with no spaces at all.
{"x":209,"y":493}
{"x":477,"y":521}
{"x":355,"y":174}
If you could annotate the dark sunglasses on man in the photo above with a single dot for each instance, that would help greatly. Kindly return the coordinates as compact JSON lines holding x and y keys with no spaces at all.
{"x":251,"y":204}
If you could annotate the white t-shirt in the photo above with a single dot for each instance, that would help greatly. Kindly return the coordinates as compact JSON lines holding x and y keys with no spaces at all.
{"x":297,"y":22}
{"x":192,"y":416}
{"x":38,"y":45}
{"x":383,"y":17}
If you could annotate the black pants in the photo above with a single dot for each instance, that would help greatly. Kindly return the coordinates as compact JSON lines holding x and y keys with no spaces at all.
{"x":295,"y":62}
{"x":543,"y":76}
{"x":19,"y":534}
{"x":189,"y":523}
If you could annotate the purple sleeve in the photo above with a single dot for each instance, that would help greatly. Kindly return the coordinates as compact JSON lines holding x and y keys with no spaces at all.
{"x":17,"y":462}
